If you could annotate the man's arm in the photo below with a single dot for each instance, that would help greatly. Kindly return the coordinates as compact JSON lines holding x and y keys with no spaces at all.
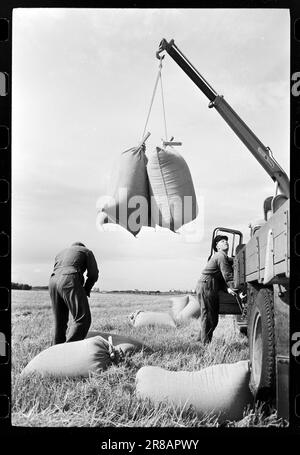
{"x":226,"y":269}
{"x":223,"y":285}
{"x":92,"y":273}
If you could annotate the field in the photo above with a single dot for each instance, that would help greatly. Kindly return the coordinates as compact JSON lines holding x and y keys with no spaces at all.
{"x":108,"y":399}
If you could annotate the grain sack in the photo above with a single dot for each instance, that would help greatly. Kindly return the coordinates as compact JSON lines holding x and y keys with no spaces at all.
{"x":127,"y":344}
{"x":191,"y":310}
{"x":78,"y":358}
{"x":128,"y":202}
{"x":173,"y":199}
{"x":219,"y":390}
{"x":144,"y":318}
{"x":177,"y":304}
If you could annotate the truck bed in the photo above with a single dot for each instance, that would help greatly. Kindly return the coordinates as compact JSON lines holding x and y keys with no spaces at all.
{"x":251,"y":260}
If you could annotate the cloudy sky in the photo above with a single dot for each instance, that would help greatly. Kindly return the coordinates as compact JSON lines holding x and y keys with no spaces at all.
{"x":82,"y":83}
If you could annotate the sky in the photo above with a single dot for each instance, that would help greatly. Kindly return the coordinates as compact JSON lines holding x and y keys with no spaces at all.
{"x":81,"y":87}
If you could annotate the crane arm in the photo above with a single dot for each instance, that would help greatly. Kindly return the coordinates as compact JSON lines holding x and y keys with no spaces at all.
{"x":262,"y":153}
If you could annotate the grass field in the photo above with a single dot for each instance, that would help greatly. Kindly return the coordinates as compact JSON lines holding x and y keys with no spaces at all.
{"x":108,"y":399}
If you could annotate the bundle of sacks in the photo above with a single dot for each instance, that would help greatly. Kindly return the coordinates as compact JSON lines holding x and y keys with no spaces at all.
{"x":219,"y":390}
{"x":80,"y":358}
{"x":185,"y":307}
{"x":143,"y":318}
{"x":150,"y":191}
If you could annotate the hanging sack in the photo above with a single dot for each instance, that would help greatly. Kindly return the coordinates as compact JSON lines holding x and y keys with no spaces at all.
{"x":77,"y":358}
{"x":125,"y":343}
{"x":218,"y":390}
{"x":144,"y":318}
{"x":128,"y":202}
{"x":173,"y":198}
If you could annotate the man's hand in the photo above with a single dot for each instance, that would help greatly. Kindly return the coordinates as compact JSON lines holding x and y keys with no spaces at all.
{"x":231,"y":291}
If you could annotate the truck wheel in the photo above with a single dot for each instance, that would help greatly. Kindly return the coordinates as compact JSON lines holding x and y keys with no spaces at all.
{"x":261,"y":343}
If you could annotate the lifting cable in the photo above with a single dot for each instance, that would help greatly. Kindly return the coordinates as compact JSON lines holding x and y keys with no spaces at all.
{"x":158,"y":78}
{"x":163,"y":106}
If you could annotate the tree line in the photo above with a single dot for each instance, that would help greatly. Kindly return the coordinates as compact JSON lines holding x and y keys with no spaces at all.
{"x":23,"y":287}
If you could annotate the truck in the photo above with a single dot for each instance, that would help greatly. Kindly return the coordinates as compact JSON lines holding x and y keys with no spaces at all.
{"x":262,"y":265}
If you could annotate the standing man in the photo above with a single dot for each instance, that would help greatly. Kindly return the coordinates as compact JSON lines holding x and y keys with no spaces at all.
{"x":69,"y":293}
{"x":215,"y":276}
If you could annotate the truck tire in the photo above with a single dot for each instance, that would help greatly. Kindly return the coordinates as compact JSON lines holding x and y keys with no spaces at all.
{"x":262,"y":346}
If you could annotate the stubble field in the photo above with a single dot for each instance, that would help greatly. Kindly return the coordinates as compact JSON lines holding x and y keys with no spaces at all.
{"x":108,"y":399}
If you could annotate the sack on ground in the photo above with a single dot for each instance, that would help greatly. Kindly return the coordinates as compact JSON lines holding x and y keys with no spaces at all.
{"x":218,"y":390}
{"x":128,"y":202}
{"x":173,"y":198}
{"x":77,"y":358}
{"x":144,"y":318}
{"x":178,"y":303}
{"x":127,"y":344}
{"x":191,"y":310}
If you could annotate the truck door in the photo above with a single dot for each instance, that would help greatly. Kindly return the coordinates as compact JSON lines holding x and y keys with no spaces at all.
{"x":228,"y":303}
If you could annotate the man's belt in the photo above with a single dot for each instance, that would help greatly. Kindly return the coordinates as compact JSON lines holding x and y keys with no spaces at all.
{"x":66,"y":269}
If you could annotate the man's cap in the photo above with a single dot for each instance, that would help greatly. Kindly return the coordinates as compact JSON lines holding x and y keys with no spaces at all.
{"x":217,"y":239}
{"x":78,"y":244}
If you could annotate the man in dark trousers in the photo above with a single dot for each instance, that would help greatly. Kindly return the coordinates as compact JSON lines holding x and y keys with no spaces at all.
{"x":215,"y":276}
{"x":69,"y":293}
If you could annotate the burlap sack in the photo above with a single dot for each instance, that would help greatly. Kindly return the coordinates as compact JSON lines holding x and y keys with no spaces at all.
{"x":146,"y":318}
{"x":129,"y":201}
{"x":191,"y":310}
{"x":185,"y":308}
{"x":178,"y":303}
{"x":173,"y":198}
{"x":219,"y":390}
{"x":78,"y":358}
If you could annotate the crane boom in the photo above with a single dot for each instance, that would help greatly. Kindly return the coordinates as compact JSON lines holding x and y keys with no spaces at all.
{"x":262,"y":153}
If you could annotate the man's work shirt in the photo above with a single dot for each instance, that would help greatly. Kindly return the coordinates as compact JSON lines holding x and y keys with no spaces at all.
{"x":78,"y":259}
{"x":219,"y":266}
